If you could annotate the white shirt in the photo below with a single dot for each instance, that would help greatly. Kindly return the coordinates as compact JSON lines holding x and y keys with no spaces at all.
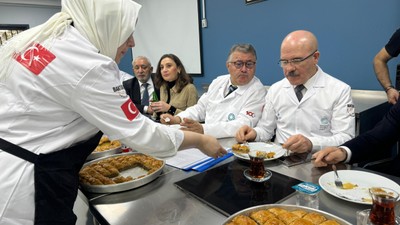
{"x":75,"y":95}
{"x":325,"y":114}
{"x":223,"y":116}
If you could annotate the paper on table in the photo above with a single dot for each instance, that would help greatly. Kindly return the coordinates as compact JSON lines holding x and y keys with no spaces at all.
{"x":194,"y":159}
{"x":187,"y":158}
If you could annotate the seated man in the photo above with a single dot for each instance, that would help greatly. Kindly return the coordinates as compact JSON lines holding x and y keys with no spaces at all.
{"x":141,"y":87}
{"x":368,"y":146}
{"x":232,"y":100}
{"x":323,"y":117}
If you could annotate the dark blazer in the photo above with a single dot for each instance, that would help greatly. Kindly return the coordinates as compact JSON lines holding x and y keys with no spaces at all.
{"x":132,"y":88}
{"x":369,"y":145}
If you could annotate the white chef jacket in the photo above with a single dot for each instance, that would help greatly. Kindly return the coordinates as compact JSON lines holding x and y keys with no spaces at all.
{"x":223,"y":116}
{"x":75,"y":95}
{"x":325,"y":114}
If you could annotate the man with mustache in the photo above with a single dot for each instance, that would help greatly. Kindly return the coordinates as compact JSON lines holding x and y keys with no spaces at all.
{"x":136,"y":88}
{"x":308,"y":109}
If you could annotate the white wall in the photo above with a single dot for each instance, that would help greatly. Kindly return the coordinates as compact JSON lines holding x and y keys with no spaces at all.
{"x":169,"y":26}
{"x":26,"y":14}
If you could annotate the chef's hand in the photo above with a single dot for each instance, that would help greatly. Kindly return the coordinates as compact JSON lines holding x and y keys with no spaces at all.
{"x":169,"y":119}
{"x":245,"y":133}
{"x":329,"y":155}
{"x":160,"y":106}
{"x":298,"y":143}
{"x":192,"y":125}
{"x":206,"y":143}
{"x":211,"y":147}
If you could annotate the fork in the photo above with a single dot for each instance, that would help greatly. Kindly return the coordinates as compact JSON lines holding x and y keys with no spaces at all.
{"x":338,"y":182}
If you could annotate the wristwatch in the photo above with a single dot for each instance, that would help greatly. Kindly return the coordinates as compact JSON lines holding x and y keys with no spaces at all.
{"x":388,"y":88}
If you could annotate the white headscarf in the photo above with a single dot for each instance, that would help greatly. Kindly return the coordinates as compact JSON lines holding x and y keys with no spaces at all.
{"x":107,"y":24}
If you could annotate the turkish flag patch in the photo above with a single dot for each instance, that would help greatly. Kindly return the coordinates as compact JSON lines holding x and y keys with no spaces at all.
{"x":35,"y":58}
{"x":130,"y":110}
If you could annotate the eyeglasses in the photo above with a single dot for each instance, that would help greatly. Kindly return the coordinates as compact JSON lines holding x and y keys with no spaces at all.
{"x":294,"y":62}
{"x":144,"y":67}
{"x":240,"y":64}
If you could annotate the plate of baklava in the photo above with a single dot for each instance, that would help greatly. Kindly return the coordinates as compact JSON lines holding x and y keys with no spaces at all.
{"x":283,"y":214}
{"x":119,"y":172}
{"x":270,"y":151}
{"x":105,"y":147}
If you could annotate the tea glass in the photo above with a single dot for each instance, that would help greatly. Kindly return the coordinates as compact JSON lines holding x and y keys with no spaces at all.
{"x":257,"y":169}
{"x":383,"y":206}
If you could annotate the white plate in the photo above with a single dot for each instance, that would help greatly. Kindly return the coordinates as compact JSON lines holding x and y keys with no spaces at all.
{"x":264,"y":147}
{"x":363,"y":180}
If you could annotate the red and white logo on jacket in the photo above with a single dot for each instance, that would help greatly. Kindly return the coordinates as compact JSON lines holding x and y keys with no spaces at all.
{"x":249,"y":113}
{"x":130,"y":110}
{"x":36,"y":58}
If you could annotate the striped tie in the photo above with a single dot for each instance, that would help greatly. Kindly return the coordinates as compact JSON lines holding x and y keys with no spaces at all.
{"x":145,"y":99}
{"x":298,"y":92}
{"x":231,"y":89}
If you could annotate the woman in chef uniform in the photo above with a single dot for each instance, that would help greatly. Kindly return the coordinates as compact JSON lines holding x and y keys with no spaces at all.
{"x":60,"y":86}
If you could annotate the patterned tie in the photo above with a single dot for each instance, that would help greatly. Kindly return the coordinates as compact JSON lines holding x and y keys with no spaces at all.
{"x":298,"y":90}
{"x":145,"y":99}
{"x":231,"y":89}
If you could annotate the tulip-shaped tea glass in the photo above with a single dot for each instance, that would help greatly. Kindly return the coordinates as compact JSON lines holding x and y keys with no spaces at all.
{"x":383,"y":206}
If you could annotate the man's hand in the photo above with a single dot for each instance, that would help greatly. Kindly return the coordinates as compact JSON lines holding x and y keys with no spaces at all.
{"x":245,"y":133}
{"x":149,"y":110}
{"x":329,"y":155}
{"x":169,"y":119}
{"x":298,"y":143}
{"x":392,"y":95}
{"x":192,"y":125}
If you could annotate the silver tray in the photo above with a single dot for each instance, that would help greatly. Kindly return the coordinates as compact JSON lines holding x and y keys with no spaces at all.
{"x":247,"y":212}
{"x":134,"y":172}
{"x":96,"y":155}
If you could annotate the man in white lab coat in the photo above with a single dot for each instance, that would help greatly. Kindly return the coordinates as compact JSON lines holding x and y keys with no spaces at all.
{"x":308,"y":109}
{"x":232,"y":100}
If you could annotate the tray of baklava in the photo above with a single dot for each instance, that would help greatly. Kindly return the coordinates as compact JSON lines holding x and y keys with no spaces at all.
{"x":119,"y":172}
{"x":283,"y":214}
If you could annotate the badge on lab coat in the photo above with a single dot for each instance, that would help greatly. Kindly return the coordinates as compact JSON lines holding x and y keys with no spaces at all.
{"x":324,"y":123}
{"x":350,"y":109}
{"x":231,"y":117}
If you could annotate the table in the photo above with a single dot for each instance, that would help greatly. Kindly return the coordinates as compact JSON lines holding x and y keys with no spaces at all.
{"x":161,"y":202}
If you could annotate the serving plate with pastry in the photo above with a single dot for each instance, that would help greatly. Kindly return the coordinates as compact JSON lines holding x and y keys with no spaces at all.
{"x":119,"y":172}
{"x":283,"y":214}
{"x":105,"y":147}
{"x":270,"y":151}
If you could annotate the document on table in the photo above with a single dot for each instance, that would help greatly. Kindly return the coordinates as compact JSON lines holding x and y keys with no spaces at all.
{"x":194,"y":159}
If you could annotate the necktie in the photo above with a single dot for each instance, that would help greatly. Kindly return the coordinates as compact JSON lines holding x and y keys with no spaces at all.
{"x":231,"y":89}
{"x":298,"y":90}
{"x":145,"y":98}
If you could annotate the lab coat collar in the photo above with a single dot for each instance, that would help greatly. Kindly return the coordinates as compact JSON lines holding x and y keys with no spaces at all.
{"x":241,"y":89}
{"x":313,"y":84}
